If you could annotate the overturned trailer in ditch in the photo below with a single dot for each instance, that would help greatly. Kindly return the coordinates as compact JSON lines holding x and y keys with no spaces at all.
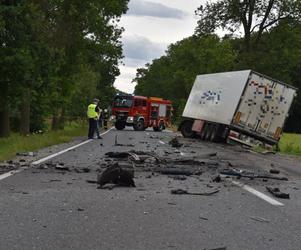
{"x":237,"y":105}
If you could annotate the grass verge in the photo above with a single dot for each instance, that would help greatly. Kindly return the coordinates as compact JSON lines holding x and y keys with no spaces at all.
{"x":290,"y":144}
{"x":16,"y":143}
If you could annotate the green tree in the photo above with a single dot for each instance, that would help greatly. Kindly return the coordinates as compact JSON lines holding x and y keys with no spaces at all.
{"x":253,"y":16}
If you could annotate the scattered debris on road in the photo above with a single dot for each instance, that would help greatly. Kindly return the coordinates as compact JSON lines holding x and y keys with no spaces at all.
{"x":26,"y":154}
{"x":116,"y":175}
{"x":260,"y":219}
{"x":274,"y":171}
{"x":175,"y":143}
{"x":183,"y":191}
{"x":277,"y":193}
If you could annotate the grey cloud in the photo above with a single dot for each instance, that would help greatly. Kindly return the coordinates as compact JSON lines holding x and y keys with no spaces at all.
{"x":146,"y":8}
{"x":139,"y":50}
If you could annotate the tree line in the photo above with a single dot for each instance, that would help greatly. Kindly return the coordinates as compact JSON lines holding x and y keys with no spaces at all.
{"x":269,"y":44}
{"x":56,"y":55}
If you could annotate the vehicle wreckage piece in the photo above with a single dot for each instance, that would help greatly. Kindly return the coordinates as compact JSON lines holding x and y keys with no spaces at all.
{"x":277,"y":193}
{"x":173,"y":171}
{"x":116,"y":175}
{"x":233,"y":172}
{"x":183,"y":191}
{"x":175,"y":143}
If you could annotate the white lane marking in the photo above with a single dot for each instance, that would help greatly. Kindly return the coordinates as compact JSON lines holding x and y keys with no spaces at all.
{"x":10,"y":173}
{"x":162,"y":142}
{"x":258,"y":194}
{"x":65,"y":150}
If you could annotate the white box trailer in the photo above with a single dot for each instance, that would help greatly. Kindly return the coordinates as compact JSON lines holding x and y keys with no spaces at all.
{"x":244,"y":102}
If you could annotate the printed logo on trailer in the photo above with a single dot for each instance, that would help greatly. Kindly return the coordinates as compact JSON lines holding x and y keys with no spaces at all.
{"x":211,"y":96}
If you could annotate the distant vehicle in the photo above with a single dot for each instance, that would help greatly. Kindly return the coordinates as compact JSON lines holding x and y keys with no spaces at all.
{"x":141,"y":112}
{"x":237,"y":105}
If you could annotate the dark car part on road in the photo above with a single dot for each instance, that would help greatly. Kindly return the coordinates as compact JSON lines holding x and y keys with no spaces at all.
{"x":274,"y":171}
{"x":183,"y":191}
{"x":175,"y":143}
{"x":277,"y":193}
{"x":62,"y":167}
{"x":116,"y":175}
{"x":172,"y":171}
{"x":234,"y":172}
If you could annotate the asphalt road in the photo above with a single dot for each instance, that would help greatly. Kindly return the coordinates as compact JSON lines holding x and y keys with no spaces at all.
{"x":45,"y":208}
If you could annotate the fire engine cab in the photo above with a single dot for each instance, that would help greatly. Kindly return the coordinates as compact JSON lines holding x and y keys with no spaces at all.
{"x":141,"y":112}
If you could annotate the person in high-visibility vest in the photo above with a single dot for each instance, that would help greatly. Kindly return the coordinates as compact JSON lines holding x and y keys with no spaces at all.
{"x":93,"y":116}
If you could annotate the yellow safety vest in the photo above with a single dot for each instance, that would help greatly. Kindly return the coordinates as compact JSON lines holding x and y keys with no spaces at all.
{"x":91,"y":113}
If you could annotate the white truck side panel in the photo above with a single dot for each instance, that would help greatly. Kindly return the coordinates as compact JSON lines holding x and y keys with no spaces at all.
{"x":214,"y":97}
{"x":264,"y":106}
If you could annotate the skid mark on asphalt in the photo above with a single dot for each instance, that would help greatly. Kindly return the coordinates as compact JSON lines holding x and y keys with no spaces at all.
{"x":258,"y":194}
{"x":10,"y":173}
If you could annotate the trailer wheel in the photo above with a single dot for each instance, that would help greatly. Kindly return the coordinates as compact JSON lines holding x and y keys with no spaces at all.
{"x":119,"y":125}
{"x":208,"y":131}
{"x":139,"y":126}
{"x":214,"y":133}
{"x":186,"y":129}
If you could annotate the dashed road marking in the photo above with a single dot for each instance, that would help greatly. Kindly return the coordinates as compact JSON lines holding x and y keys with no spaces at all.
{"x":10,"y":173}
{"x":258,"y":194}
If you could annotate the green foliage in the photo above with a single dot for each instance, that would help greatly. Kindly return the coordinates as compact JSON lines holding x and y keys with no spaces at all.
{"x":16,"y":143}
{"x":56,"y":56}
{"x":290,"y":144}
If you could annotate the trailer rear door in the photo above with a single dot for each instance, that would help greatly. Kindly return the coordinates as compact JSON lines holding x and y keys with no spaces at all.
{"x":264,"y":106}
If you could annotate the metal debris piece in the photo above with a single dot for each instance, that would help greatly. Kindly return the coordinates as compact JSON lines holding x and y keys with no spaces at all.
{"x":260,"y":219}
{"x":116,"y":175}
{"x":26,"y":154}
{"x":183,"y":191}
{"x":62,"y":167}
{"x":277,"y":193}
{"x":175,"y":143}
{"x":274,"y":171}
{"x":173,"y":171}
{"x":217,"y":179}
{"x":240,"y":173}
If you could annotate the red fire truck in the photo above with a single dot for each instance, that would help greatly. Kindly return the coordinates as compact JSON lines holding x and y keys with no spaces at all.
{"x":141,"y":112}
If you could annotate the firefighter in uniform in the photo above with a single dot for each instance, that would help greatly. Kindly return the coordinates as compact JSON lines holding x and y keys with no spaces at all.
{"x":93,"y":116}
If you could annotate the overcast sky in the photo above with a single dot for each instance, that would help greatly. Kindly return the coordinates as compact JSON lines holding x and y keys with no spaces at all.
{"x":150,"y":26}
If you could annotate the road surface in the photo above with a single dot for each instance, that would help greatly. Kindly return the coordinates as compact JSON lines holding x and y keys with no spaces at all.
{"x":42,"y":207}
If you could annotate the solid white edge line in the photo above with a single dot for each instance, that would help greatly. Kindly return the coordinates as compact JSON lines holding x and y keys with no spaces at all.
{"x":65,"y":150}
{"x":10,"y":173}
{"x":258,"y":194}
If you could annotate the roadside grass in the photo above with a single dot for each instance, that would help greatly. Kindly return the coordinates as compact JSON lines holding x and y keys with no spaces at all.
{"x":16,"y":143}
{"x":290,"y":144}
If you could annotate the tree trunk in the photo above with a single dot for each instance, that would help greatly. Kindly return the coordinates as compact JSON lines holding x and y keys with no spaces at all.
{"x":4,"y":113}
{"x":25,"y":113}
{"x":55,"y":122}
{"x":62,"y":119}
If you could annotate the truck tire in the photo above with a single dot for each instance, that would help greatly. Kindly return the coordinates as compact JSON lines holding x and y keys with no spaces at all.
{"x":214,"y":133}
{"x":208,"y":132}
{"x":186,"y":129}
{"x":139,"y":126}
{"x":161,"y":127}
{"x":119,"y":125}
